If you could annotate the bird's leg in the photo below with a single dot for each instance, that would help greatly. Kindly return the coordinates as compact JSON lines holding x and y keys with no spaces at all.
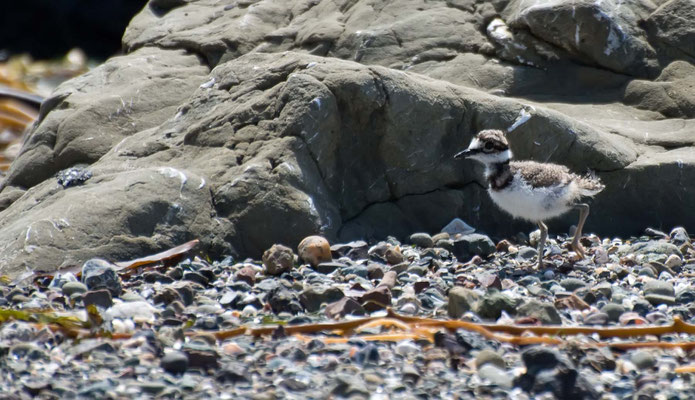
{"x":541,"y":242}
{"x":583,"y":213}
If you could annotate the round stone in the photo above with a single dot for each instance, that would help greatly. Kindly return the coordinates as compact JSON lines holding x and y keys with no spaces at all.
{"x":71,"y":288}
{"x":278,"y":259}
{"x":526,"y":253}
{"x":175,"y":362}
{"x":673,"y":261}
{"x":422,"y":240}
{"x":659,"y":287}
{"x":613,"y":310}
{"x":487,"y":356}
{"x":643,"y":359}
{"x":572,"y":284}
{"x":314,"y":250}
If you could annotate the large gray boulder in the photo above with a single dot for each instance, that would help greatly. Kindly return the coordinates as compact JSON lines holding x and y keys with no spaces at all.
{"x":341,"y":119}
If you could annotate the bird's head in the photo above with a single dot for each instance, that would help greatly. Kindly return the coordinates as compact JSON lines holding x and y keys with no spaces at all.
{"x":489,"y":146}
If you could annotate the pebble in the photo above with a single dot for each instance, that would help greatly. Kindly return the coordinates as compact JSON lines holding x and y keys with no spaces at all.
{"x":526,"y":253}
{"x":492,"y":305}
{"x":643,"y":359}
{"x":70,"y":288}
{"x":659,"y":287}
{"x":473,"y":244}
{"x":613,"y":311}
{"x":174,"y":362}
{"x":343,"y":307}
{"x":572,"y":284}
{"x":496,"y":375}
{"x":329,"y":267}
{"x":278,"y":259}
{"x":101,"y":274}
{"x":314,"y":250}
{"x":673,"y":261}
{"x":487,"y":356}
{"x":679,"y":236}
{"x":101,"y":298}
{"x":246,"y":274}
{"x":393,"y":255}
{"x":461,"y":300}
{"x":312,"y":297}
{"x":544,"y":312}
{"x":174,"y":316}
{"x":423,"y":240}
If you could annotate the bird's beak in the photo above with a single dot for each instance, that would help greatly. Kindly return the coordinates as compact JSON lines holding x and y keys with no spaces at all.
{"x":465,"y":153}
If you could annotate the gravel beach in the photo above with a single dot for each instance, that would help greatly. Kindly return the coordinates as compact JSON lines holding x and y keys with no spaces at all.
{"x":234,"y":329}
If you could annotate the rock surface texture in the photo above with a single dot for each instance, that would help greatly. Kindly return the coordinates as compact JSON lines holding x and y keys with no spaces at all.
{"x":249,"y":123}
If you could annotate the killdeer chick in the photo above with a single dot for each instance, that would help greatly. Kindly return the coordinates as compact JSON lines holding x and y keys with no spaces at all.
{"x":529,"y":190}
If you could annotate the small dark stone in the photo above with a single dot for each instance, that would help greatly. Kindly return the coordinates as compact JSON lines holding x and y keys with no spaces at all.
{"x":419,"y":286}
{"x":376,"y":299}
{"x":451,"y":343}
{"x":101,"y":298}
{"x":186,"y":294}
{"x":410,"y":374}
{"x":294,"y":385}
{"x":492,"y":305}
{"x":35,"y":386}
{"x":175,"y":273}
{"x":195,"y":277}
{"x":329,"y":267}
{"x":166,"y":295}
{"x":599,"y":318}
{"x":73,"y":176}
{"x":526,"y":253}
{"x":101,"y":274}
{"x":538,"y":358}
{"x":240,"y":286}
{"x":343,"y":307}
{"x":312,"y":297}
{"x":423,"y":240}
{"x":685,"y":296}
{"x":154,"y":276}
{"x":283,"y":300}
{"x":375,"y":271}
{"x":679,"y":236}
{"x":202,"y":358}
{"x":232,"y":373}
{"x":473,"y":244}
{"x":368,"y":354}
{"x":491,"y":281}
{"x":246,"y":274}
{"x":175,"y":362}
{"x":359,"y":270}
{"x":641,"y":307}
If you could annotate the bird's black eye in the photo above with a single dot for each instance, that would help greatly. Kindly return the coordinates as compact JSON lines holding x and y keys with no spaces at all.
{"x":489,"y":146}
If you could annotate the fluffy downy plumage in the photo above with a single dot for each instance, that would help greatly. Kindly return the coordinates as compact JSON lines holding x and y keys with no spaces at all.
{"x":530,"y":190}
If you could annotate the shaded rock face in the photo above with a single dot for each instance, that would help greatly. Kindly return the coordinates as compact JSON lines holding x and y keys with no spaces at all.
{"x":246,"y":124}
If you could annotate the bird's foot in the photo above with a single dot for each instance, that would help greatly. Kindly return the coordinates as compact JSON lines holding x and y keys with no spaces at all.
{"x":579,"y":249}
{"x":540,"y":264}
